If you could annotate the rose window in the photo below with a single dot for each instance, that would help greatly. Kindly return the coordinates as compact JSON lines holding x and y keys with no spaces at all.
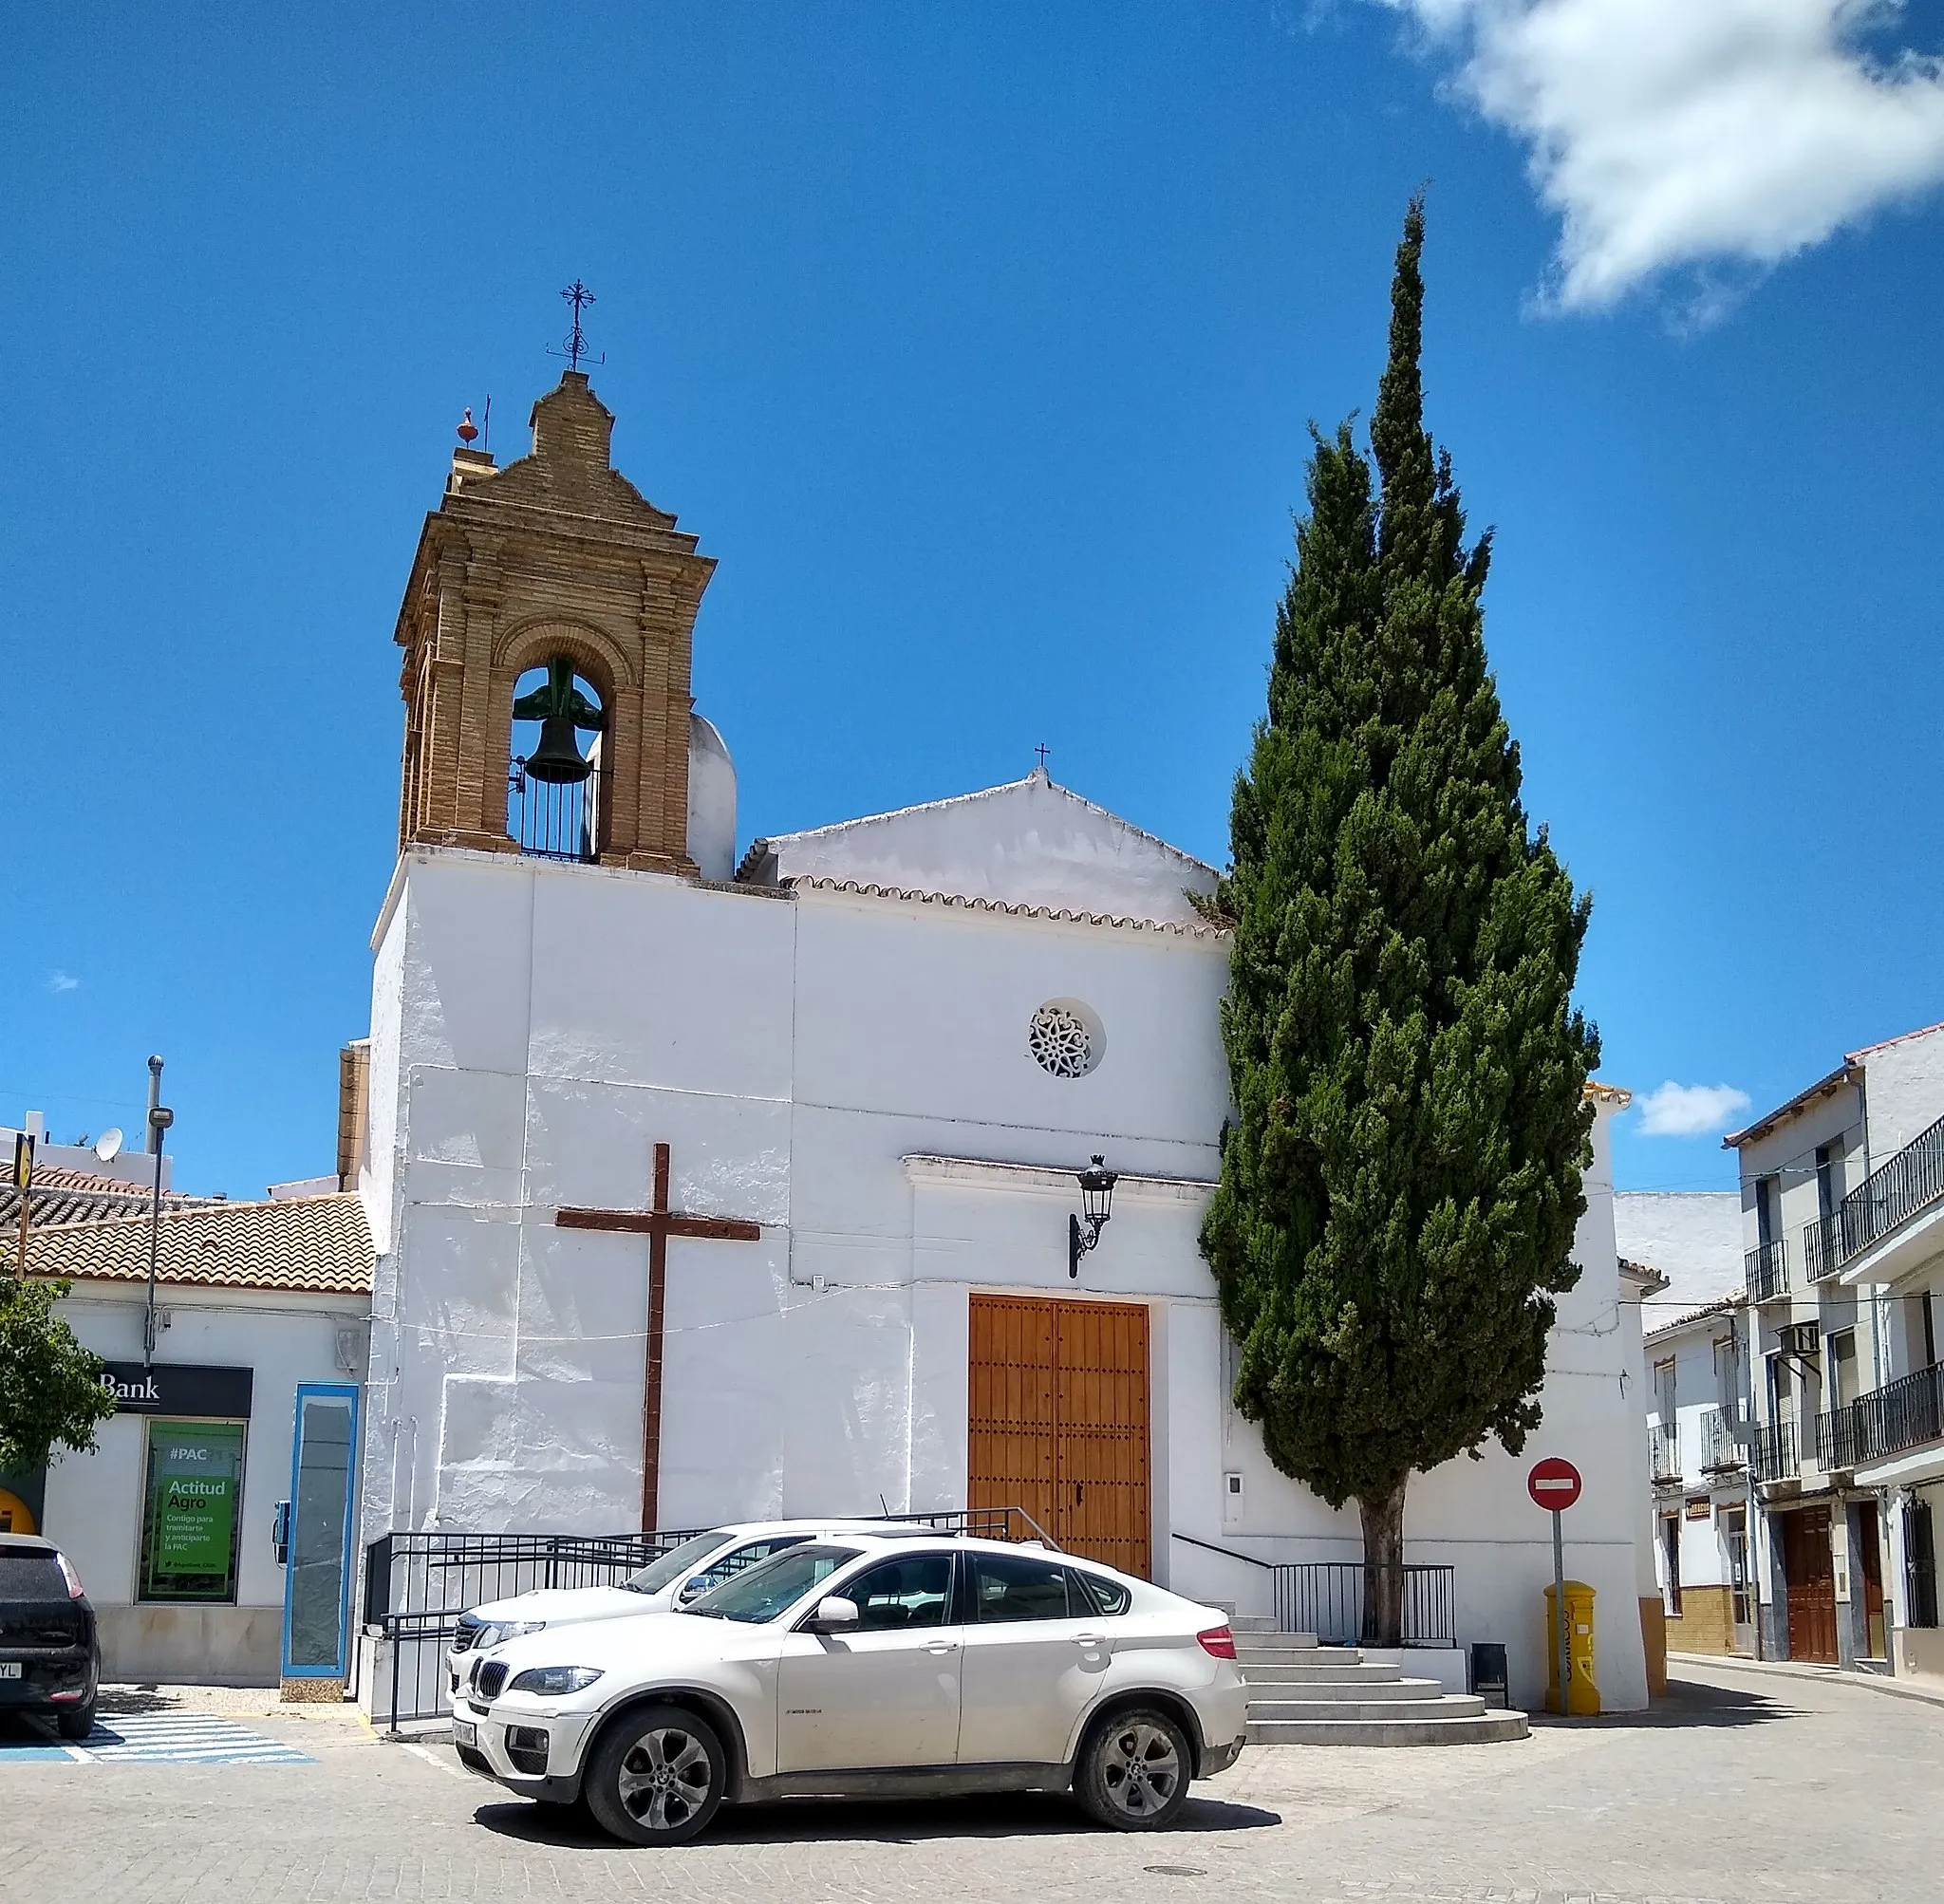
{"x":1061,"y":1041}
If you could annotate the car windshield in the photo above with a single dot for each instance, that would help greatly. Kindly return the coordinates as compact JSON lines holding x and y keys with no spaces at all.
{"x":674,"y":1563}
{"x":773,"y":1587}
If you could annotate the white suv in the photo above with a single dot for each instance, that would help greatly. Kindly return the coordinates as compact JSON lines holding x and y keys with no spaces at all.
{"x":868,"y":1667}
{"x":671,"y":1580}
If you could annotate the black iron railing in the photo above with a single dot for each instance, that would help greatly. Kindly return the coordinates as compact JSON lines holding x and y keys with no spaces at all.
{"x":418,"y":1584}
{"x":1774,"y":1451}
{"x":1325,"y":1597}
{"x":1823,"y":1247}
{"x":1768,"y":1270}
{"x":1664,"y":1450}
{"x":1887,"y":1198}
{"x":553,"y":819}
{"x":1904,"y":1413}
{"x":1721,"y":1445}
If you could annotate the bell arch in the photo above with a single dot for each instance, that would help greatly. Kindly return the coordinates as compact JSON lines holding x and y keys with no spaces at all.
{"x":556,"y":559}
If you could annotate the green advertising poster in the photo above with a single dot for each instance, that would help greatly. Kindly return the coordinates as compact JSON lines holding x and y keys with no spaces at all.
{"x":194,"y":1486}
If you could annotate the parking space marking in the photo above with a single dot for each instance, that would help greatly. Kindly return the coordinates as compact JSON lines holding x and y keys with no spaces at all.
{"x":184,"y":1738}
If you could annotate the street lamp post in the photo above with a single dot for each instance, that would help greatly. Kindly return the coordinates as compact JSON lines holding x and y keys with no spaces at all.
{"x":159,"y":1118}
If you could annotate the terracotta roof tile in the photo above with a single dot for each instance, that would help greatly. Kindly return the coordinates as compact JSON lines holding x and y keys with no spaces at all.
{"x":319,"y":1244}
{"x":66,"y":1196}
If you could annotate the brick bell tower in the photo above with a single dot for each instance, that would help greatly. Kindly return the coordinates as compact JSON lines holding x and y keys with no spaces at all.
{"x":556,"y":562}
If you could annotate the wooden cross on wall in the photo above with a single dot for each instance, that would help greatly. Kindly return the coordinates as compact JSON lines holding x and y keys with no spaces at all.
{"x":657,"y":1223}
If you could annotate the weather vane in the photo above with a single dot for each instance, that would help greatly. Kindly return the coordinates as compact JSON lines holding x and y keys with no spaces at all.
{"x":579,"y":296}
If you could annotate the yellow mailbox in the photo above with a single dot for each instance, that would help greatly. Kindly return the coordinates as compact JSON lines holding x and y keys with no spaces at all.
{"x":1583,"y":1693}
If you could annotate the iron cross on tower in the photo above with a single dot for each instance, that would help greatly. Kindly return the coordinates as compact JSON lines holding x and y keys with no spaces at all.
{"x":580,"y":297}
{"x":657,"y":1223}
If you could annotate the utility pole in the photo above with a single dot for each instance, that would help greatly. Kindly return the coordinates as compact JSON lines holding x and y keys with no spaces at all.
{"x":159,"y":1118}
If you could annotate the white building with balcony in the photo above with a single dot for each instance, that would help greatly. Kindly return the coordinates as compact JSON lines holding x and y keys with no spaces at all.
{"x":1842,"y":1187}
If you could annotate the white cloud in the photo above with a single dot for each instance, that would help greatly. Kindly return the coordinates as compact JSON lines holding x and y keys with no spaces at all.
{"x":63,"y":982}
{"x":1696,"y":133}
{"x":1689,"y":1110}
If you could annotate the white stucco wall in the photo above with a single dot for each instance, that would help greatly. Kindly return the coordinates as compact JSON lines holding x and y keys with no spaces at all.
{"x":1693,"y":1236}
{"x":93,"y":1502}
{"x":848,"y":1070}
{"x":1903,"y":1087}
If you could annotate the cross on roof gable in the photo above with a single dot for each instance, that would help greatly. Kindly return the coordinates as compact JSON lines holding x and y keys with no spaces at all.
{"x":1029,"y":844}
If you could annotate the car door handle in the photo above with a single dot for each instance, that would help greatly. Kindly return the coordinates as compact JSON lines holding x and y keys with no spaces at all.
{"x":943,"y":1646}
{"x":1089,"y":1639}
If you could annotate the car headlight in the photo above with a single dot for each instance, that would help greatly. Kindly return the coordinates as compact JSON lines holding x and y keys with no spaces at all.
{"x":499,"y":1632}
{"x":555,"y":1679}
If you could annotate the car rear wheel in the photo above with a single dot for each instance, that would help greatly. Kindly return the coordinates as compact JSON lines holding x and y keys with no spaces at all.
{"x":657,"y":1776}
{"x":76,"y":1725}
{"x":1134,"y":1771}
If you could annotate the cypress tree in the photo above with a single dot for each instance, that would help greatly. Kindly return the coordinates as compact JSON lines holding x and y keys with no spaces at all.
{"x":1401,"y":1182}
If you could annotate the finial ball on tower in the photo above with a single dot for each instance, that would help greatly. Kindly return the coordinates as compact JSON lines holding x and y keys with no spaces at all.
{"x":468,"y":429}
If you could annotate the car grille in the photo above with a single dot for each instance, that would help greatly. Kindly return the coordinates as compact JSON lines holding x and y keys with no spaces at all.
{"x":467,"y":1636}
{"x":490,"y":1681}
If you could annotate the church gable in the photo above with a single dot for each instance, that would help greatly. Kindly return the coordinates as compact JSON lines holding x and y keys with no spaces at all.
{"x":1029,"y":843}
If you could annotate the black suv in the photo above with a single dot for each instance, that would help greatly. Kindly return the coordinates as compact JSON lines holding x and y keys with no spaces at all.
{"x":50,"y":1654}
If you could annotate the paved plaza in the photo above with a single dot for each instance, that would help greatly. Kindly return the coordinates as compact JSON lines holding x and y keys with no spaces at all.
{"x":1739,"y":1787}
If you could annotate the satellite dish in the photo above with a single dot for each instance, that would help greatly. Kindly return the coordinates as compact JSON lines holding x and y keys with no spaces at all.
{"x":108,"y":1145}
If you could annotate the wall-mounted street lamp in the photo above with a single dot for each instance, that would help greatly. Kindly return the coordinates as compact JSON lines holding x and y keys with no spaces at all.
{"x":1096,"y":1204}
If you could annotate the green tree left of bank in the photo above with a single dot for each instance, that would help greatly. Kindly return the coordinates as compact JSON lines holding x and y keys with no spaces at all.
{"x":50,"y":1387}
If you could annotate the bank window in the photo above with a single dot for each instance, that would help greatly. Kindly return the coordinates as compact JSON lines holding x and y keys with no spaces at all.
{"x":191,"y":1507}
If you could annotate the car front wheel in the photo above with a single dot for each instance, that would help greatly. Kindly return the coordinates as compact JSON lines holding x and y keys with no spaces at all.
{"x":656,"y":1776}
{"x":1134,"y":1772}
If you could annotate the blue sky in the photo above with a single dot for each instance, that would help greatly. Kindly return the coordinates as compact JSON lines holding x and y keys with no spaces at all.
{"x":979,"y":347}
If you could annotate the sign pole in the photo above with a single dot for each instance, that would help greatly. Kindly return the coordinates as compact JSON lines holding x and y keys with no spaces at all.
{"x":1559,"y":1612}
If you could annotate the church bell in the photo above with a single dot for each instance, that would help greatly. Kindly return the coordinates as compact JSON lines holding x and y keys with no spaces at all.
{"x":558,"y":756}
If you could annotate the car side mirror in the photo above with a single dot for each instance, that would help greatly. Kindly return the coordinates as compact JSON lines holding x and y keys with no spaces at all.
{"x":834,"y":1612}
{"x":690,"y":1591}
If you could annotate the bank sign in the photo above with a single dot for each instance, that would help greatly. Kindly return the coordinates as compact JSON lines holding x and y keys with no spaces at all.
{"x":177,"y":1388}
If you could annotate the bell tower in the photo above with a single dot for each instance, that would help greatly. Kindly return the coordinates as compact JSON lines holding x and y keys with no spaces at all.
{"x":550,"y":590}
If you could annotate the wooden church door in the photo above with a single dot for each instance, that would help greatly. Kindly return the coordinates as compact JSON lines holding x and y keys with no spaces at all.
{"x":1059,"y":1421}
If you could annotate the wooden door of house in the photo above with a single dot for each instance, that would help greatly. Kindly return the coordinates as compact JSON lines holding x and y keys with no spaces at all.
{"x":1809,"y":1578}
{"x":1059,"y":1421}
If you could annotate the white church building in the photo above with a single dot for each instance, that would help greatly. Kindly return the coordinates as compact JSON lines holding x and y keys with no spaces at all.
{"x":859,"y":1070}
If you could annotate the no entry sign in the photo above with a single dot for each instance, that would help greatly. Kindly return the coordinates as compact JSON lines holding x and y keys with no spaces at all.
{"x":1554,"y":1482}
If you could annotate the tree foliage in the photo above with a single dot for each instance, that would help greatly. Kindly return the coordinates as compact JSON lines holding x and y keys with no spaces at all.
{"x":1402,"y":1182}
{"x":50,"y":1387}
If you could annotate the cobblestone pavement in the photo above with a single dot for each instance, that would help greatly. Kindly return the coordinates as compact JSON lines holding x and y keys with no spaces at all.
{"x":1733,"y":1791}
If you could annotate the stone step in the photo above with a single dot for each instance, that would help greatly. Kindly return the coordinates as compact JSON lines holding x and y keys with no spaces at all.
{"x":1271,"y":1639}
{"x":1434,"y":1705}
{"x":1315,"y":1691}
{"x":1278,"y":1672}
{"x":1474,"y":1728}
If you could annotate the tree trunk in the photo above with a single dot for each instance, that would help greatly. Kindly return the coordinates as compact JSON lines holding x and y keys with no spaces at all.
{"x":1383,"y":1568}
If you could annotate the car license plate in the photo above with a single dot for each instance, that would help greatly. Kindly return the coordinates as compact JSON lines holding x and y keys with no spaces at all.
{"x":464,"y":1732}
{"x":9,"y":1668}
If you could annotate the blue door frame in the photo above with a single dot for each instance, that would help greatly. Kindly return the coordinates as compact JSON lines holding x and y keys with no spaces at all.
{"x":323,"y":1521}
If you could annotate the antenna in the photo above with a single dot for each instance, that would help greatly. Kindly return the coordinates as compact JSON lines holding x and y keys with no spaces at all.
{"x":108,"y":1145}
{"x":579,"y":296}
{"x":486,"y":427}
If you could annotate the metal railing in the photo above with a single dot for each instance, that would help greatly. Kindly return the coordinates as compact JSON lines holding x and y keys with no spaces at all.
{"x":1325,"y":1597}
{"x":1823,"y":1247}
{"x":1904,"y":1413}
{"x":1888,"y":1197}
{"x":553,"y":819}
{"x":1664,"y":1450}
{"x":1721,"y":1442}
{"x":1766,"y":1265}
{"x":1774,"y":1452}
{"x":418,"y":1584}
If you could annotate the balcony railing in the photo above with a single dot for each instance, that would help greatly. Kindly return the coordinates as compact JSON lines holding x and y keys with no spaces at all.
{"x":1889,"y":1196}
{"x":1773,"y":1451}
{"x":1768,"y":1270}
{"x":1664,"y":1450}
{"x":1721,"y":1445}
{"x":1904,"y":1413}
